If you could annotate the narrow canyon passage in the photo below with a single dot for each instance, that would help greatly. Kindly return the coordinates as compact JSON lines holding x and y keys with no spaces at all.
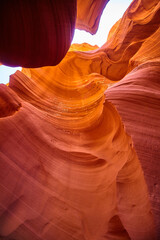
{"x":79,"y":141}
{"x":84,"y":163}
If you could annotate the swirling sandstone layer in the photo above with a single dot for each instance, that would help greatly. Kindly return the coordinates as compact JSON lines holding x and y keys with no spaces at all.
{"x":68,"y":168}
{"x":74,"y":171}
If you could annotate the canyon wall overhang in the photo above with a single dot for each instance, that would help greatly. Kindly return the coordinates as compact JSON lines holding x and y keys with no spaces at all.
{"x":36,"y":33}
{"x":89,"y":13}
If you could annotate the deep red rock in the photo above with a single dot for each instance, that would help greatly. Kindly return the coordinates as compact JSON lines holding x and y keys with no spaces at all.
{"x":35,"y":33}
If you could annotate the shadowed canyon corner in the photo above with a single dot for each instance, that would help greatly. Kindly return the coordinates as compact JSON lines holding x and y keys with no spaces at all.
{"x":79,"y":125}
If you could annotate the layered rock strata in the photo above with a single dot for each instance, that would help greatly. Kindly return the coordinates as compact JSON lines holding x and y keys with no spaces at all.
{"x":137,"y":98}
{"x":69,"y":169}
{"x":73,"y":168}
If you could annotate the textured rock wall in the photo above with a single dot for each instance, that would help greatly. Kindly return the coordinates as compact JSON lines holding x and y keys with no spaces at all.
{"x":137,"y":99}
{"x":69,"y":169}
{"x":72,"y":166}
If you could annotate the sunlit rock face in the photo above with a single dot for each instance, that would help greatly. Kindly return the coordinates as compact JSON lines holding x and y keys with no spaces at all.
{"x":69,"y":168}
{"x":35,"y":33}
{"x":89,"y":13}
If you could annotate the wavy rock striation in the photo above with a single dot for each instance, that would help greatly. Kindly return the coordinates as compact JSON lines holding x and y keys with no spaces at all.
{"x":136,"y":98}
{"x":75,"y":172}
{"x":69,"y":170}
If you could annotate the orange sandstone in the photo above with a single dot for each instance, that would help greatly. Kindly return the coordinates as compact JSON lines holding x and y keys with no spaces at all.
{"x":89,"y":13}
{"x":69,"y":169}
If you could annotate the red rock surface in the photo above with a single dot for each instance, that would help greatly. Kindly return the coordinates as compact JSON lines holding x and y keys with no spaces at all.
{"x":69,"y":169}
{"x":137,"y":99}
{"x":71,"y":164}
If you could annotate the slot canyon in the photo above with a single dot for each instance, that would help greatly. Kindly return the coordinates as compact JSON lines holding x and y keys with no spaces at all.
{"x":80,"y":124}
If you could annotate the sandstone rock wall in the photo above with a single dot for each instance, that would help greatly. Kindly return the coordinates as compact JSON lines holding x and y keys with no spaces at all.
{"x":80,"y":140}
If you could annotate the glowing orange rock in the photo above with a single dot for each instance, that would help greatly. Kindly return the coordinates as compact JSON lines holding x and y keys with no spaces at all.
{"x":68,"y":168}
{"x":89,"y":13}
{"x":75,"y":162}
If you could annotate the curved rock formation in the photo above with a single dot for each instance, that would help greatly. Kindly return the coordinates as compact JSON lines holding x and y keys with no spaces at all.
{"x":9,"y":101}
{"x":35,"y":33}
{"x":138,"y":94}
{"x":89,"y":13}
{"x":69,"y":169}
{"x":74,"y":162}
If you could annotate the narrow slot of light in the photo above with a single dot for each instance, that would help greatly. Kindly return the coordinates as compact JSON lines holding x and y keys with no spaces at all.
{"x":5,"y":73}
{"x":113,"y":11}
